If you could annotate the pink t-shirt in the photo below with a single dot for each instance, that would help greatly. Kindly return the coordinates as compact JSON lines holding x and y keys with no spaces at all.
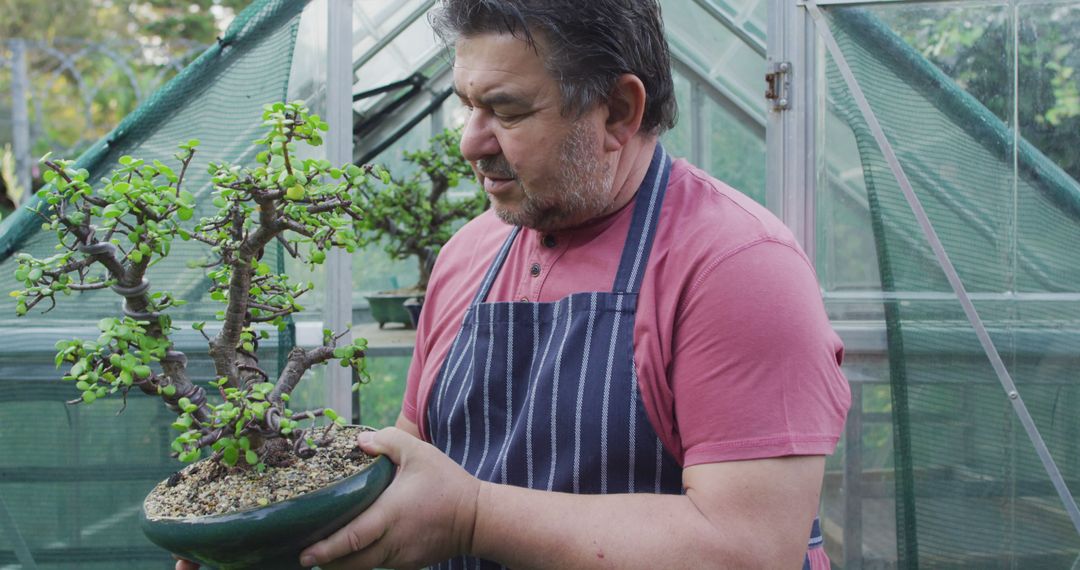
{"x":735,"y":356}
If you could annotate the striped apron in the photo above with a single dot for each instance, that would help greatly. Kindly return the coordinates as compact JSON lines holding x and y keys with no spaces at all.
{"x":545,"y":395}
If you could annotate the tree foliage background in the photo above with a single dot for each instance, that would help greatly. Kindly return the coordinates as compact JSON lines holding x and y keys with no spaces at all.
{"x":975,"y":47}
{"x":152,"y":37}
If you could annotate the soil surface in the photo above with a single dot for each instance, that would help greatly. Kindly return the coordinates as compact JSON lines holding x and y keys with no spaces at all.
{"x":206,"y":488}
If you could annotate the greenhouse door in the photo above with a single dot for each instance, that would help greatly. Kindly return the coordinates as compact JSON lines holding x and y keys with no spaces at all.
{"x":925,"y":153}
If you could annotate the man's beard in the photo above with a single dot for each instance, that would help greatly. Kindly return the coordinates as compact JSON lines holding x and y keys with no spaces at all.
{"x":581,"y":190}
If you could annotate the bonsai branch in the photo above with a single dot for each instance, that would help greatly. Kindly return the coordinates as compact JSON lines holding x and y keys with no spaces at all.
{"x":300,"y":360}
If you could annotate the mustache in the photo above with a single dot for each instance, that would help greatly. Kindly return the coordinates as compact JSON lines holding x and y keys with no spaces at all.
{"x":495,"y":167}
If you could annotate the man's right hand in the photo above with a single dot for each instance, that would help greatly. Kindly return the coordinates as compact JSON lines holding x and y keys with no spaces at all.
{"x":182,"y":564}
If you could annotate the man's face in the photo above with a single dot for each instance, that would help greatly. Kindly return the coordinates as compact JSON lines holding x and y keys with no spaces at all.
{"x":540,"y":169}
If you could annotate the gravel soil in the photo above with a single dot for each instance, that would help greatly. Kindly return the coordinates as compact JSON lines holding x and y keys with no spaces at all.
{"x":206,"y":488}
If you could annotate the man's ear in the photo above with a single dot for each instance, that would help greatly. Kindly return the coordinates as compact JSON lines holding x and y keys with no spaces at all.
{"x":625,"y":108}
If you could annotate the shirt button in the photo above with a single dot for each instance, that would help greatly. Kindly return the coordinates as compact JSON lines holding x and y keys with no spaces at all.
{"x":535,"y":270}
{"x":549,"y":241}
{"x":525,"y":299}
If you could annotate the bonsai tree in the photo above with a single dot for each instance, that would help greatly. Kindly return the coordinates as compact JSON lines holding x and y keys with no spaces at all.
{"x":109,"y":238}
{"x":413,"y":216}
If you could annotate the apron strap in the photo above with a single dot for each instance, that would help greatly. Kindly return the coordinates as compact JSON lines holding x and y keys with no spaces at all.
{"x":493,"y":270}
{"x":650,"y":197}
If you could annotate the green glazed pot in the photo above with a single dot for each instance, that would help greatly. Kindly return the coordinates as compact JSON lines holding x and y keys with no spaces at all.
{"x":390,"y":308}
{"x":271,"y":537}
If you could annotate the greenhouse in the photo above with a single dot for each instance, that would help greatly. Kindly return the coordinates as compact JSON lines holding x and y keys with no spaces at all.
{"x":924,"y":153}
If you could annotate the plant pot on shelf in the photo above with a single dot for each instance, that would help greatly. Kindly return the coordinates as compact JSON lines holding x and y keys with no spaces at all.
{"x":389,"y":307}
{"x":413,"y":306}
{"x":270,"y":537}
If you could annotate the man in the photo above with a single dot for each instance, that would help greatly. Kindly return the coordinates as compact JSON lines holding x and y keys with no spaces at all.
{"x":625,"y":363}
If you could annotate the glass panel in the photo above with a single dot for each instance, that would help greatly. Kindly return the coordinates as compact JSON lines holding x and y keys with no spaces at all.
{"x":1048,"y":109}
{"x":743,"y":70}
{"x":962,"y":177}
{"x":700,"y":32}
{"x":705,"y":43}
{"x":758,"y":23}
{"x":1048,"y":214}
{"x":951,"y":90}
{"x":679,"y":141}
{"x":409,"y":51}
{"x":374,"y":19}
{"x":734,"y":153}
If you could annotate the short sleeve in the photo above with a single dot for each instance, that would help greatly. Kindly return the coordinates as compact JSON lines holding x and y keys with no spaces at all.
{"x":409,"y":403}
{"x":755,"y":371}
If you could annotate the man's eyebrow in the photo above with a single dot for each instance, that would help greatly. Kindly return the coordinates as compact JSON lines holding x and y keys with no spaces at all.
{"x":493,"y":99}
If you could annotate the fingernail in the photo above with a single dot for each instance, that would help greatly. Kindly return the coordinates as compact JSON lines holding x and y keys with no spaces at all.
{"x":366,"y":438}
{"x":307,"y":561}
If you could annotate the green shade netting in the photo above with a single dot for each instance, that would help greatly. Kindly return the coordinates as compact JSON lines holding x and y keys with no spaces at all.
{"x":970,"y":491}
{"x":72,"y":478}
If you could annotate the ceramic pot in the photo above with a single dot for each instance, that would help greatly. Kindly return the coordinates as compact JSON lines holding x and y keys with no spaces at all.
{"x":271,"y":537}
{"x":389,"y":308}
{"x":413,"y":306}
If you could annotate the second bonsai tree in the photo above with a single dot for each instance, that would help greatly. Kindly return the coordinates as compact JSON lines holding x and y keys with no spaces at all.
{"x":412,"y":216}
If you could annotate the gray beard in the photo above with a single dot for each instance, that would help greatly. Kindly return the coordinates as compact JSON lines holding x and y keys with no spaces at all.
{"x":583,"y":188}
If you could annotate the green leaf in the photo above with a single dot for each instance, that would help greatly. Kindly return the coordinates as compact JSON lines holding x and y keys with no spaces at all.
{"x":251,"y":457}
{"x":331,"y":414}
{"x":142,"y":371}
{"x":89,"y":397}
{"x":230,"y":455}
{"x":264,"y":387}
{"x":170,"y":390}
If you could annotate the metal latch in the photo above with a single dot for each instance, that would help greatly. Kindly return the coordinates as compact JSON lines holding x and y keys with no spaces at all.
{"x":778,"y":85}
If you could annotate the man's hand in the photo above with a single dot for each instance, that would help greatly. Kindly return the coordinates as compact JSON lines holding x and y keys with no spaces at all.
{"x":182,"y":564}
{"x":426,"y":515}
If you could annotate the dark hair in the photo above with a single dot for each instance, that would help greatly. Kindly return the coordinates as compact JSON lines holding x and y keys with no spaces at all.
{"x":586,"y":45}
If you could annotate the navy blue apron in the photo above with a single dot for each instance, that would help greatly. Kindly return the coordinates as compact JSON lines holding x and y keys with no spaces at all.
{"x":545,"y":395}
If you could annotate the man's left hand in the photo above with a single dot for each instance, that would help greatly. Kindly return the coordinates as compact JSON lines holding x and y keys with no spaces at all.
{"x":425,"y":516}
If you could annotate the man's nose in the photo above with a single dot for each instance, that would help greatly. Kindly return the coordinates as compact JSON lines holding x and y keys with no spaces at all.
{"x":478,"y":140}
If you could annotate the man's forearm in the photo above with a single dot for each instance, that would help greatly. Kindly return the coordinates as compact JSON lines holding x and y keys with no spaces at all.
{"x":524,"y":528}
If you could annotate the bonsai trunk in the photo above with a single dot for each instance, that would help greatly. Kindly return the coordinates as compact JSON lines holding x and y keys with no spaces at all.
{"x":426,"y":261}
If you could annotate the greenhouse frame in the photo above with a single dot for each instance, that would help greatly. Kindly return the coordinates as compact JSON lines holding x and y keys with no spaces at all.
{"x":923,"y":152}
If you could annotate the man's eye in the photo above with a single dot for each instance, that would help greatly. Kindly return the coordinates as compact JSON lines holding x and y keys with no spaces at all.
{"x":507,"y":117}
